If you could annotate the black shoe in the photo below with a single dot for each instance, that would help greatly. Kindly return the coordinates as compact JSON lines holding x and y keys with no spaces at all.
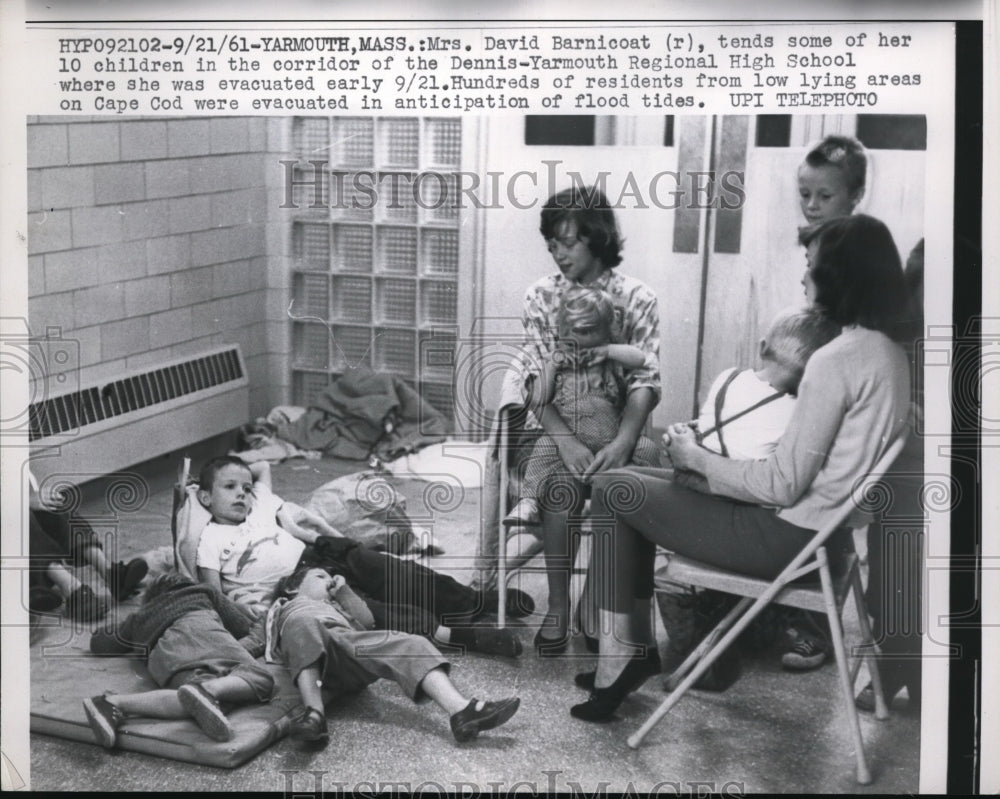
{"x":603,"y":702}
{"x":84,"y":605}
{"x":550,"y":647}
{"x":43,"y":600}
{"x":469,"y":722}
{"x":104,"y":719}
{"x":311,"y":727}
{"x":585,"y":679}
{"x":496,"y":641}
{"x":204,"y":709}
{"x":519,"y":603}
{"x":593,"y":645}
{"x":124,"y":578}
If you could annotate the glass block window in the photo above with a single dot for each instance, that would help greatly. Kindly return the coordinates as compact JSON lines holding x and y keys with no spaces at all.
{"x":375,"y":268}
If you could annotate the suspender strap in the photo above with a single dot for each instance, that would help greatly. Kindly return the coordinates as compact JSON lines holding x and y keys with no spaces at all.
{"x":720,"y":400}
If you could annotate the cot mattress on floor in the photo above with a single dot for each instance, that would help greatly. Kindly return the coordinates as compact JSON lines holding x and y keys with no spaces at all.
{"x":64,"y":673}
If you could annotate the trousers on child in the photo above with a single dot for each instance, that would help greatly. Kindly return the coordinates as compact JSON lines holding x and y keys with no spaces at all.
{"x":349,"y":660}
{"x":594,"y":422}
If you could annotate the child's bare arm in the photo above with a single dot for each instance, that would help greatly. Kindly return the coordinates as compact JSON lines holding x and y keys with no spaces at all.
{"x":210,"y":577}
{"x":291,"y":516}
{"x":261,"y":472}
{"x":297,"y":516}
{"x":354,"y":605}
{"x":628,"y":356}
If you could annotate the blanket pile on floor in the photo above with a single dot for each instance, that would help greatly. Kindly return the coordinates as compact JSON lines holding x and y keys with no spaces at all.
{"x":365,"y":413}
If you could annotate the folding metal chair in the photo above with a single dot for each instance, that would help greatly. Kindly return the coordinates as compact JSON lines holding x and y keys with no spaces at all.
{"x":829,"y":597}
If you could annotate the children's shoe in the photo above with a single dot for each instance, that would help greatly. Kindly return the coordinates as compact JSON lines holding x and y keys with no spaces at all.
{"x":496,"y":641}
{"x":203,"y":707}
{"x":519,"y":603}
{"x":805,"y":654}
{"x":84,"y":605}
{"x":104,"y":719}
{"x":124,"y":578}
{"x":43,"y":600}
{"x":310,"y":727}
{"x":524,"y":514}
{"x":469,"y":722}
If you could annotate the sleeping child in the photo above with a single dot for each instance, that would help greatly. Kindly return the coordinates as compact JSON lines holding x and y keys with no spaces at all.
{"x":746,"y":411}
{"x":323,"y":633}
{"x":743,"y":417}
{"x":586,"y":384}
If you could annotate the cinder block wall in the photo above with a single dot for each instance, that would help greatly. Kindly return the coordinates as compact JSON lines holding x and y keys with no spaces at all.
{"x":150,"y":239}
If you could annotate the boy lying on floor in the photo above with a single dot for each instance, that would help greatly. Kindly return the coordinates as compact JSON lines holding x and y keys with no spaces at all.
{"x":253,"y":541}
{"x":323,"y":632}
{"x":188,"y":633}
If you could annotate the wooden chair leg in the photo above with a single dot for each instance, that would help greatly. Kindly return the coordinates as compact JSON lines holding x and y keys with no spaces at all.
{"x":864,"y":776}
{"x":869,"y":649}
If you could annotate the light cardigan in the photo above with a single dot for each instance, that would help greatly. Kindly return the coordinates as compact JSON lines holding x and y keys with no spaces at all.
{"x":852,"y":402}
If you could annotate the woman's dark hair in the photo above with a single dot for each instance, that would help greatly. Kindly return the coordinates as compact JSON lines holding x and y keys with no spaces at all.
{"x":589,"y":210}
{"x":857,"y":272}
{"x":206,"y":477}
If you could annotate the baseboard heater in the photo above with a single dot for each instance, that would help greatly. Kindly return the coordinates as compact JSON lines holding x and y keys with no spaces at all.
{"x":104,"y":428}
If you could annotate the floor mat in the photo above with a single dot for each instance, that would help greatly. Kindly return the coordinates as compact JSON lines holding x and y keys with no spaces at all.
{"x":64,"y":673}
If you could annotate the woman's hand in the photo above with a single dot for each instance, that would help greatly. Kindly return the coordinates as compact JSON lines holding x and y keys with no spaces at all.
{"x":576,"y":456}
{"x":683,"y":449}
{"x":614,"y":455}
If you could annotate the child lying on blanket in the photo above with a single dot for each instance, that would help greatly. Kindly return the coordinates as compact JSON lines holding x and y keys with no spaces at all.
{"x":246,"y":549}
{"x":188,"y":634}
{"x":323,"y":633}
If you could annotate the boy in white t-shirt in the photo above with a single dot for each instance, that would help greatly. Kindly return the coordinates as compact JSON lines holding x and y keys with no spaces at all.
{"x":243,"y":551}
{"x":254,"y":540}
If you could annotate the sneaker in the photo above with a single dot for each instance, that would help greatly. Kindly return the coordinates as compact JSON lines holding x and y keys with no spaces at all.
{"x":124,"y":578}
{"x":469,"y":722}
{"x":310,"y":726}
{"x":104,"y":719}
{"x":524,"y":514}
{"x":804,"y":655}
{"x":84,"y":605}
{"x":205,"y":710}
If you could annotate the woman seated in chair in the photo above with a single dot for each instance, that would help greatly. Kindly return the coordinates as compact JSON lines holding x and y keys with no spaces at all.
{"x":582,"y":236}
{"x":853,"y":401}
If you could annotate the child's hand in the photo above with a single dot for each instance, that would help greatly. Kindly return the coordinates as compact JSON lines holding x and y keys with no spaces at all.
{"x":337,"y":583}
